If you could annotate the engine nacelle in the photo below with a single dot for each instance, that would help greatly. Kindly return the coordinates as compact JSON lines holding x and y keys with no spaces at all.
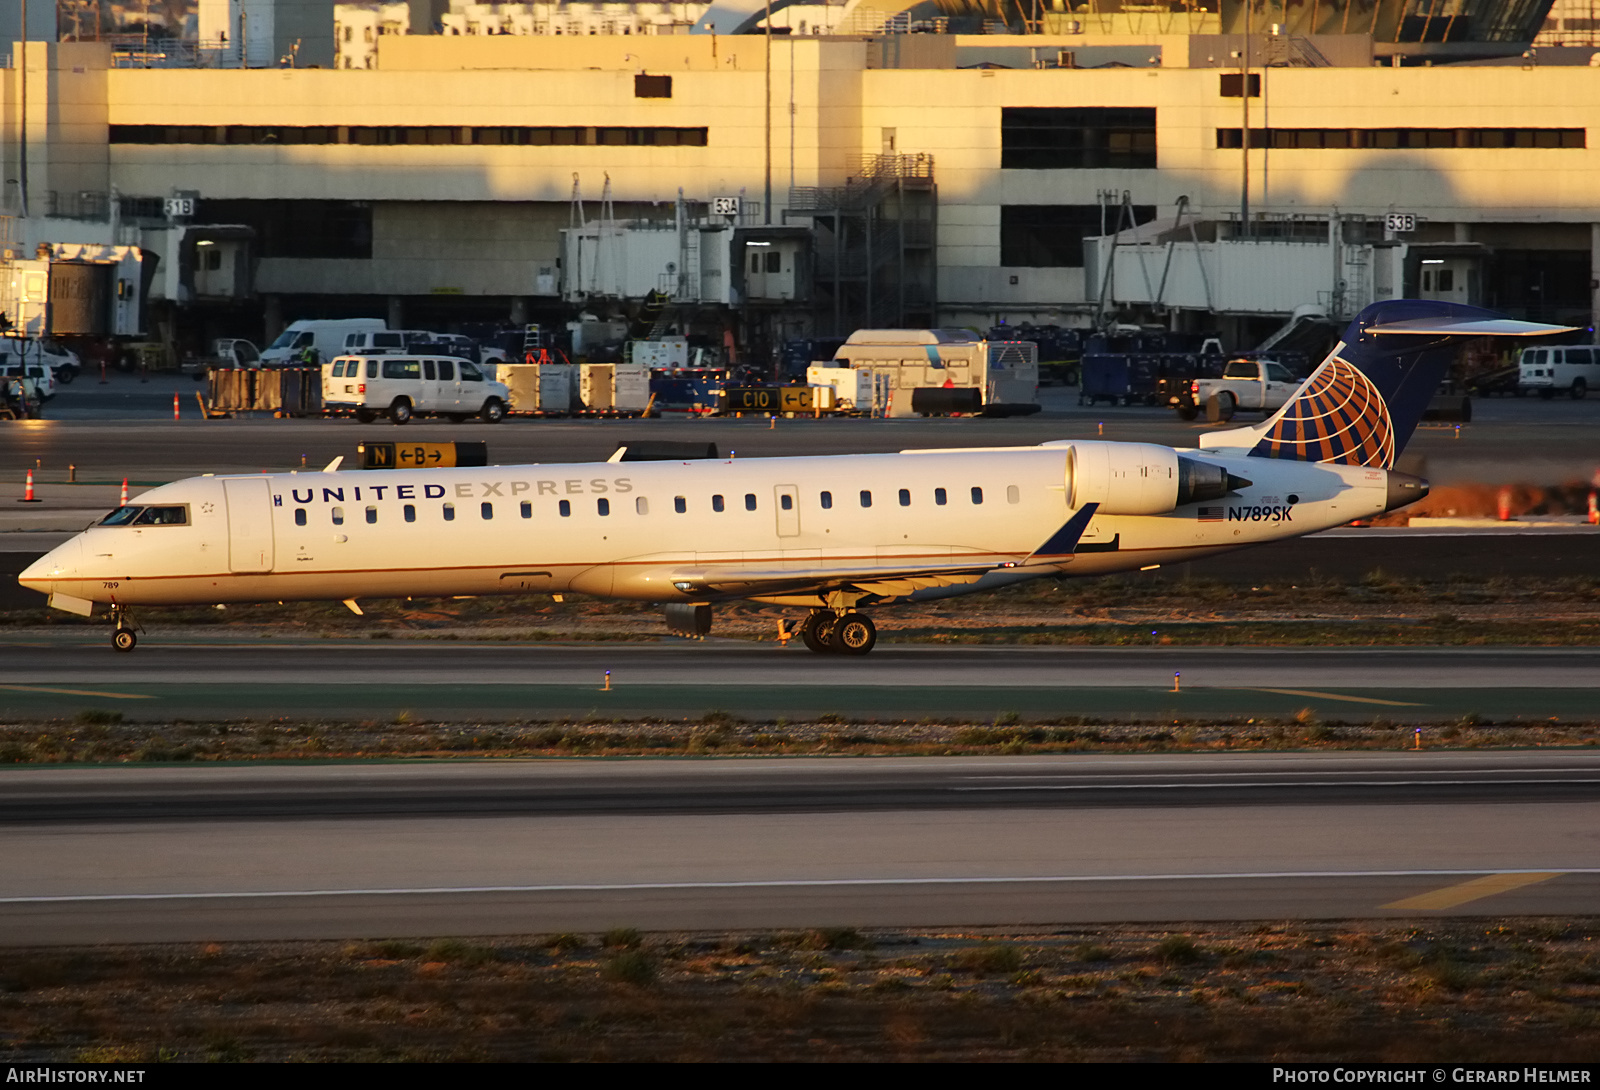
{"x":1142,"y":478}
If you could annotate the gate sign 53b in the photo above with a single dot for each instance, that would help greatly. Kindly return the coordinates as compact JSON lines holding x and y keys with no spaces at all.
{"x":1400,"y":221}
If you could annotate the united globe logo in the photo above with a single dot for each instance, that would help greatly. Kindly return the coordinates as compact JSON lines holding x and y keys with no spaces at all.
{"x":1338,"y":417}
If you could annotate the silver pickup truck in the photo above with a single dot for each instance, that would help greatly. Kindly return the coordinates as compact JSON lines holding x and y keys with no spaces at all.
{"x":1259,"y":385}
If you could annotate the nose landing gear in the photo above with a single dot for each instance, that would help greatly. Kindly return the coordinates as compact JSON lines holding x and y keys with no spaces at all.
{"x":123,"y":636}
{"x":841,"y":634}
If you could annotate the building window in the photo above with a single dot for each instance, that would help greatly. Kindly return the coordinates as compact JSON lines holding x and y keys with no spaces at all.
{"x":1405,"y":139}
{"x":1047,"y":236}
{"x":1078,"y":138}
{"x":652,"y":86}
{"x":1230,"y":81}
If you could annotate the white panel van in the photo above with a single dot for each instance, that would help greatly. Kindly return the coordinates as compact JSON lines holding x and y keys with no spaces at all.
{"x":322,"y":340}
{"x":401,"y":387}
{"x":1570,"y":369}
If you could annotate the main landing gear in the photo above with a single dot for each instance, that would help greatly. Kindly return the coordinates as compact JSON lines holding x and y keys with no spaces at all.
{"x":841,"y":634}
{"x":123,"y":636}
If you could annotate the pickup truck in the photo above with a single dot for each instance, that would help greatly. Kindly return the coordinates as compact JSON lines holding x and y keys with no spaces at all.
{"x":1259,"y":385}
{"x":227,"y":353}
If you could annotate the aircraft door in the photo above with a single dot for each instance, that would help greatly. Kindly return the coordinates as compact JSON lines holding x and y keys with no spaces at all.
{"x":249,"y":525}
{"x":786,"y":501}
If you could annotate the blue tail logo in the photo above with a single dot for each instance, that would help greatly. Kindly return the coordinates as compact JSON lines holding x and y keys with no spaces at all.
{"x":1338,"y":416}
{"x":1361,"y":405}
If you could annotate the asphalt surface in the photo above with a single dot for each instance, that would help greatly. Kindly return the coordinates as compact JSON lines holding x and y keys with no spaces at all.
{"x":462,"y":682}
{"x":333,"y":851}
{"x":126,"y":429}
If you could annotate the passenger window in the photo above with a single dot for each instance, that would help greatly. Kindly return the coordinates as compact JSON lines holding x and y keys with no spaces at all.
{"x":372,"y":514}
{"x":566,"y":509}
{"x":449,"y":512}
{"x":866,"y":498}
{"x":786,"y":502}
{"x":716,"y":503}
{"x":939,"y":496}
{"x":411,"y":513}
{"x":749,"y":501}
{"x":299,"y":516}
{"x":372,"y":368}
{"x":447,"y":371}
{"x":905,"y":497}
{"x":527,"y":509}
{"x":486,"y":510}
{"x":427,"y":369}
{"x":405,"y":369}
{"x":977,"y":495}
{"x":641,"y":505}
{"x":679,"y":504}
{"x":827,"y":500}
{"x":338,"y":516}
{"x":1013,"y":494}
{"x":603,"y":506}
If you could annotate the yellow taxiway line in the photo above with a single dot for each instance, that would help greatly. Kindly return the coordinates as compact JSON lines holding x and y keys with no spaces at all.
{"x":1474,"y":889}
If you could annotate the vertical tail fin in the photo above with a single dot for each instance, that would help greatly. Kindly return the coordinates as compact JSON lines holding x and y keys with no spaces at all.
{"x":1361,"y":404}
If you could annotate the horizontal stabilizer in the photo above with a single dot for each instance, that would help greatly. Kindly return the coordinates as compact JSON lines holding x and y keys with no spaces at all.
{"x":1445,"y":326}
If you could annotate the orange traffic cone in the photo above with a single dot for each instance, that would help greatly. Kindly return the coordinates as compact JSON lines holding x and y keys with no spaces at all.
{"x":123,"y":500}
{"x":174,"y":406}
{"x":27,"y":492}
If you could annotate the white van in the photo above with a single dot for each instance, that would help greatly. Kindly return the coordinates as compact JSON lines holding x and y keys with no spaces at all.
{"x":401,"y":387}
{"x":373,"y":342}
{"x":1574,"y":369}
{"x":324,"y":338}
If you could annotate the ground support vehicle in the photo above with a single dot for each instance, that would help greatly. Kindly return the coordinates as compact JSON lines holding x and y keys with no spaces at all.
{"x":1255,"y":385}
{"x":1060,"y":349}
{"x":902,"y":361}
{"x":1572,"y":369}
{"x":227,"y":353}
{"x":282,"y":391}
{"x":401,"y":387}
{"x":314,"y":340}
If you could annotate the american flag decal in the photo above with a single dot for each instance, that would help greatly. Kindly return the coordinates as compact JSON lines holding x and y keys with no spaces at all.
{"x":1210,"y":514}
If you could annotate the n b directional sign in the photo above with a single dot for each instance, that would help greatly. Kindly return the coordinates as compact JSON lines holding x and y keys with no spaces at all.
{"x":422,"y":455}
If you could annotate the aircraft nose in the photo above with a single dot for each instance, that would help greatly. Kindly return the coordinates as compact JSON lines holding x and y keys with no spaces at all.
{"x":62,"y":562}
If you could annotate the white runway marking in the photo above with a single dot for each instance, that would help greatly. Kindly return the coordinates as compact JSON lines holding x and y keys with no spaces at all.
{"x":782,"y":883}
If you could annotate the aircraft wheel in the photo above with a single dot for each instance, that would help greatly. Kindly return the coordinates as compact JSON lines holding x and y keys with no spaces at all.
{"x":815,"y":631}
{"x":124,"y":639}
{"x":854,"y":634}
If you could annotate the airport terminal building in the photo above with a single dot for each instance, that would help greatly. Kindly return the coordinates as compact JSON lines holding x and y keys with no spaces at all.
{"x":810,"y":183}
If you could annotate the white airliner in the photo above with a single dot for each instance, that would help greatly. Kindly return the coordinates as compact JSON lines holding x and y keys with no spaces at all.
{"x":833,"y":534}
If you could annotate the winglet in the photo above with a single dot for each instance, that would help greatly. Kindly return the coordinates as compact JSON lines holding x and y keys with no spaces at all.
{"x":1064,"y":542}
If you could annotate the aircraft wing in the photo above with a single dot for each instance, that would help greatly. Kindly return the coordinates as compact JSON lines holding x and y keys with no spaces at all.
{"x":885,"y":579}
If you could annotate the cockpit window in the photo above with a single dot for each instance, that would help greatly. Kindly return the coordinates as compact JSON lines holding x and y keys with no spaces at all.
{"x":121,"y":516}
{"x":163,"y":516}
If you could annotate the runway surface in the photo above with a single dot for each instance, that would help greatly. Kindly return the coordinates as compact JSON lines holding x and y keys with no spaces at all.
{"x":242,"y":852}
{"x":458,"y":681}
